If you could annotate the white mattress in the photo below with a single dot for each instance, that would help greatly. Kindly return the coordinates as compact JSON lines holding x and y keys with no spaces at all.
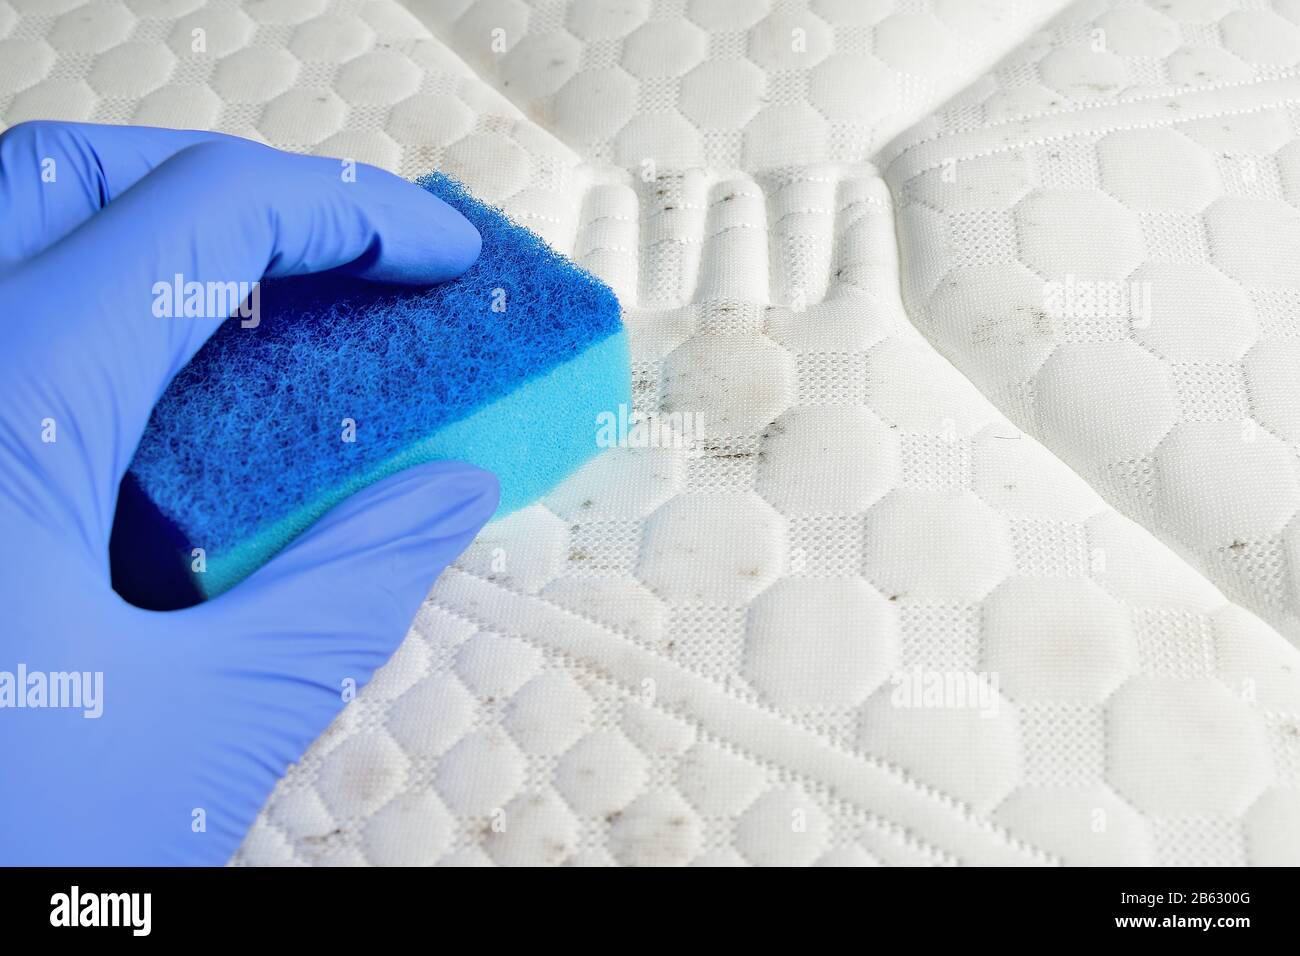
{"x":908,"y":469}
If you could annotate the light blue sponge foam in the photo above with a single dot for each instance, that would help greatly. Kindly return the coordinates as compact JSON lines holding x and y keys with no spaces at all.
{"x":507,"y":367}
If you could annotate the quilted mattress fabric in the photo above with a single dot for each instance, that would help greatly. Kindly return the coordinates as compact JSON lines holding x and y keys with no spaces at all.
{"x":705,"y":650}
{"x":1150,"y":154}
{"x":745,"y":84}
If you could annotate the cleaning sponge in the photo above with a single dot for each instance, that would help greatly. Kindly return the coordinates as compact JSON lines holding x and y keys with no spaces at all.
{"x":344,"y":382}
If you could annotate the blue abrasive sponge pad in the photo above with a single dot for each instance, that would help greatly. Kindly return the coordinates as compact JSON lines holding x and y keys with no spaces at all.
{"x":507,"y":367}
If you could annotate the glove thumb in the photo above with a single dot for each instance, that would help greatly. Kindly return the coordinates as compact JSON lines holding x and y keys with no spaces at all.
{"x":331,"y":608}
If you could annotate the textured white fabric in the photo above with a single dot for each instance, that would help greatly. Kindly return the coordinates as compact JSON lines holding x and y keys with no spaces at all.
{"x":693,"y":653}
{"x":1175,"y":188}
{"x":1099,"y":52}
{"x":745,"y":84}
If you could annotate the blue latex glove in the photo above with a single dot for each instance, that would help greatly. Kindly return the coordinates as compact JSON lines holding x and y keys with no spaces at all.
{"x":202,"y":709}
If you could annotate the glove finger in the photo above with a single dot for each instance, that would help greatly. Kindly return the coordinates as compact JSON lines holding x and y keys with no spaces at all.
{"x":96,"y":348}
{"x":206,"y":708}
{"x":54,"y":176}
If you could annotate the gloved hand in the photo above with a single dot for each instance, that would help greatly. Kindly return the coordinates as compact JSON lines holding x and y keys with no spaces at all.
{"x":201,"y":710}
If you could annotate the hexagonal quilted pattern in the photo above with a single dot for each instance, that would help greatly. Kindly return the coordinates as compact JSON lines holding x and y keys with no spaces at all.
{"x":854,"y":616}
{"x":1134,"y":303}
{"x":358,"y":80}
{"x":1117,"y":51}
{"x":749,"y":84}
{"x":719,"y":652}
